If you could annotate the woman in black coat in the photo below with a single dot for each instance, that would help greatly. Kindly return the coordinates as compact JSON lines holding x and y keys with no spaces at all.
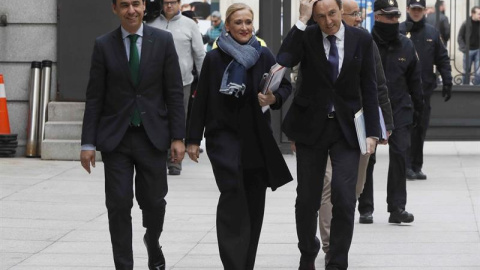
{"x":244,"y":155}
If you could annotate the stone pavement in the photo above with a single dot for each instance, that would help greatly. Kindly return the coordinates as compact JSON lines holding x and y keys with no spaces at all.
{"x":52,"y":216}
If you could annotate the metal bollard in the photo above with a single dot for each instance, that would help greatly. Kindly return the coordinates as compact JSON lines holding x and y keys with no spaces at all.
{"x":44,"y":99}
{"x":33,"y":111}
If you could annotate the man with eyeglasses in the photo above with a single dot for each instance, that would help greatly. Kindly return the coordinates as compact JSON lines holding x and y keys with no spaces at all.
{"x":403,"y":73}
{"x":190,"y":50}
{"x":432,"y":53}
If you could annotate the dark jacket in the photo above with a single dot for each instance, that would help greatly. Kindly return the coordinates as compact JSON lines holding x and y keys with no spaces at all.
{"x":431,"y":52}
{"x":443,"y":25}
{"x":473,"y":32}
{"x":236,"y":126}
{"x":403,"y":73}
{"x":355,"y":86}
{"x":383,"y":99}
{"x":112,"y":96}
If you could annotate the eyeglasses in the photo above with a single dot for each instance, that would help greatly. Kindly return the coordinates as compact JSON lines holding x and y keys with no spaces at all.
{"x":172,"y":3}
{"x":391,"y":16}
{"x":355,"y":14}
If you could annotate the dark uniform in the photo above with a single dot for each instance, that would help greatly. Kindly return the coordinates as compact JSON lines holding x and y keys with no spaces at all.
{"x":403,"y":74}
{"x":431,"y":52}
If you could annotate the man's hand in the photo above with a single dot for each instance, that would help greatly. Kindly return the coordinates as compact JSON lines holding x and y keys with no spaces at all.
{"x":384,"y":141}
{"x":193,"y":151}
{"x":371,"y":143}
{"x":447,"y":92}
{"x":177,"y":150}
{"x":87,"y":157}
{"x":306,"y":7}
{"x":267,"y":99}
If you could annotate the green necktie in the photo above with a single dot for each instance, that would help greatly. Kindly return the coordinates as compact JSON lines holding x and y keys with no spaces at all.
{"x":134,"y":64}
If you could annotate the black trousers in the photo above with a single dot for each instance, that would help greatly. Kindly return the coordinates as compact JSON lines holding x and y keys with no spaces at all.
{"x":239,"y":220}
{"x":365,"y":201}
{"x":415,"y":156}
{"x":311,"y":163}
{"x":397,"y":181}
{"x":134,"y":153}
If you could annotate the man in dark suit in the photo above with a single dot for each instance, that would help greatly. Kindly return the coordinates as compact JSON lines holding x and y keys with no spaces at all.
{"x":337,"y":82}
{"x":133,"y":115}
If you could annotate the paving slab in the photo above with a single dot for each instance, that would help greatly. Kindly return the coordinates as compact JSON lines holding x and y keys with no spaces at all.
{"x":53,"y":216}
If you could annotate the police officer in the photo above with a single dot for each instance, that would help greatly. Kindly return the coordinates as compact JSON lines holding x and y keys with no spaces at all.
{"x":432,"y":52}
{"x":402,"y":70}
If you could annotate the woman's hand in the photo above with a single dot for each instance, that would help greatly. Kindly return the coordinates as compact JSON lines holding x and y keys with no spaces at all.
{"x":267,"y":99}
{"x":193,"y":151}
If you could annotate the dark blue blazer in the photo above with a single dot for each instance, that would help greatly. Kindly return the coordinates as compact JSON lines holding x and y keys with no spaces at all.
{"x":112,"y":95}
{"x":354,"y":88}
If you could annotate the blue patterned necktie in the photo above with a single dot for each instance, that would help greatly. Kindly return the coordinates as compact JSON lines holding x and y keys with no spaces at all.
{"x":333,"y":61}
{"x":333,"y":58}
{"x":134,"y":65}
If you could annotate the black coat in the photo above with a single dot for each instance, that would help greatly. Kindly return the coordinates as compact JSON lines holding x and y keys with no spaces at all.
{"x":443,"y":25}
{"x":235,"y":126}
{"x":355,"y":86}
{"x":431,"y":51}
{"x":112,"y":96}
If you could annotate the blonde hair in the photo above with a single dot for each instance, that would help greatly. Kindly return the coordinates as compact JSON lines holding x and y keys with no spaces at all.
{"x":236,"y":7}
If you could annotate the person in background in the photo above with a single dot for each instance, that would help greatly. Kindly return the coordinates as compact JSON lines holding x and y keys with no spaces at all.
{"x":214,"y":31}
{"x":189,"y":47}
{"x":336,"y":83}
{"x":185,"y":7}
{"x":240,"y":145}
{"x":133,"y":114}
{"x":432,"y":53}
{"x":442,"y":25}
{"x":403,"y":72}
{"x":470,"y":31}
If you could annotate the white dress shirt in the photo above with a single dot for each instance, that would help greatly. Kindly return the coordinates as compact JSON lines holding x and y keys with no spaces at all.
{"x":340,"y":42}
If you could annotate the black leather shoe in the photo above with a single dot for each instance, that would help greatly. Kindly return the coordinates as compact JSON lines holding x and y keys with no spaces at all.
{"x":400,"y":216}
{"x":306,"y":265}
{"x":156,"y":260}
{"x":421,"y":175}
{"x":366,"y":218}
{"x":173,"y":171}
{"x":411,"y":175}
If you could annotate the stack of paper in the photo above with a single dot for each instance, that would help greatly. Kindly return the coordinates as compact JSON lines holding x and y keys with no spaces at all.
{"x":361,"y":133}
{"x":272,"y":80}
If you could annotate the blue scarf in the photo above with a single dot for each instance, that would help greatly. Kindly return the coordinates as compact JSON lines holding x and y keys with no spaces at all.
{"x":244,"y":57}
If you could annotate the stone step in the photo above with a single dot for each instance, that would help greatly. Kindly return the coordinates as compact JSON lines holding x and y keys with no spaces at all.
{"x":63,"y":130}
{"x":63,"y":150}
{"x":65,"y":111}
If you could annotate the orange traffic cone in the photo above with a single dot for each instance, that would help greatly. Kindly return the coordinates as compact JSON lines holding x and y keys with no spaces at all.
{"x":4,"y":123}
